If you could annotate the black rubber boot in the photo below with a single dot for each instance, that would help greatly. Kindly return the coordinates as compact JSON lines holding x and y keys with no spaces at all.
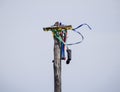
{"x":68,"y":56}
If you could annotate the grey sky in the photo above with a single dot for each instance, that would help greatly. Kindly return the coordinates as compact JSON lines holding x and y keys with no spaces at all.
{"x":26,"y":51}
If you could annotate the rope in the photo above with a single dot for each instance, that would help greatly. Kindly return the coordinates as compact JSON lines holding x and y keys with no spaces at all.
{"x":79,"y":33}
{"x":83,"y":25}
{"x":79,"y":41}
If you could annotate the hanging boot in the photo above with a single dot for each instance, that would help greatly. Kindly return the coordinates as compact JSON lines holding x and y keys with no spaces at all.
{"x":68,"y":56}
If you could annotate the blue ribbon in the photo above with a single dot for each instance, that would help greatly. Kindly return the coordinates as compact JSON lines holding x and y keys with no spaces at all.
{"x":79,"y":33}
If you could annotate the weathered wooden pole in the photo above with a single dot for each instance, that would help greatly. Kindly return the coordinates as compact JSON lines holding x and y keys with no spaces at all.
{"x":57,"y":29}
{"x":57,"y":63}
{"x":57,"y":66}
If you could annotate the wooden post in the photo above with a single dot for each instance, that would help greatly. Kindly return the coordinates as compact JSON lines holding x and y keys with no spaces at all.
{"x":57,"y":66}
{"x":57,"y":27}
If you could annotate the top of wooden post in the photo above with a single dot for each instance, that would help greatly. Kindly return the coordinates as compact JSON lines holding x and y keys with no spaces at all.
{"x":58,"y":26}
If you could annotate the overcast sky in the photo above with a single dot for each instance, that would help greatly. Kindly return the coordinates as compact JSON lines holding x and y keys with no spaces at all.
{"x":26,"y":51}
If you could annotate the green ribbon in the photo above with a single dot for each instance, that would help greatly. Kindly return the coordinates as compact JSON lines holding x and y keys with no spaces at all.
{"x":56,"y":34}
